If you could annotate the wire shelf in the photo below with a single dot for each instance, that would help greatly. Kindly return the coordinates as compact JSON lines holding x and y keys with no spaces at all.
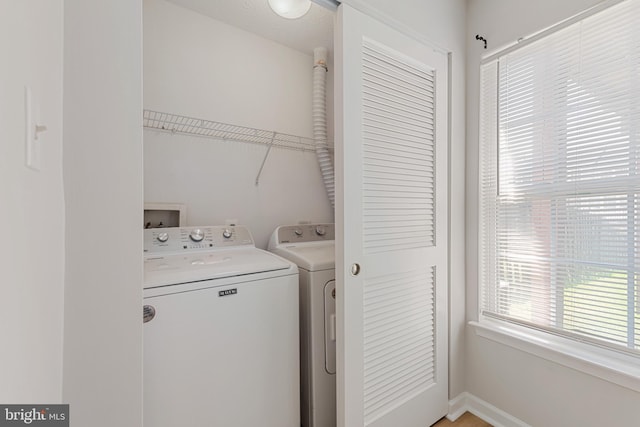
{"x":174,"y":123}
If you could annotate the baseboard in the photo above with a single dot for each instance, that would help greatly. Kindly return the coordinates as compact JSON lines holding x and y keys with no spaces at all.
{"x":496,"y":417}
{"x":457,"y":406}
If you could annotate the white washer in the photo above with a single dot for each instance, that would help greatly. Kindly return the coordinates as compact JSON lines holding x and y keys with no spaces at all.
{"x":221,"y":343}
{"x":312,"y":248}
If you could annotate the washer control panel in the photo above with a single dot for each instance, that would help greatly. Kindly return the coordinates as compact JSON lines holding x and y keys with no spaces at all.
{"x":178,"y":239}
{"x":305,"y":233}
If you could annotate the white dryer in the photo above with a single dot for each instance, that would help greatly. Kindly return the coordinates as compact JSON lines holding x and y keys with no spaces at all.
{"x":221,"y":341}
{"x":312,"y":248}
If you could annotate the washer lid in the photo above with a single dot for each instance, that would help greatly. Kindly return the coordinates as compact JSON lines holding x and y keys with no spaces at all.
{"x":162,"y":270}
{"x":312,"y":256}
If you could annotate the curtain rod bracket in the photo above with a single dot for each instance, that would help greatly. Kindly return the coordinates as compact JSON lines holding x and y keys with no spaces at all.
{"x":479,"y":37}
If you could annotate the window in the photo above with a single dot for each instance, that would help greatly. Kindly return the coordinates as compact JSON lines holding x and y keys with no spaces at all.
{"x":560,"y":181}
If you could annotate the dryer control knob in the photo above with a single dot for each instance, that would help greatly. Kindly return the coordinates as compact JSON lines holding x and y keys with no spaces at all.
{"x":321,"y":230}
{"x":196,"y":235}
{"x":226,"y":233}
{"x":162,"y":237}
{"x":298,"y":231}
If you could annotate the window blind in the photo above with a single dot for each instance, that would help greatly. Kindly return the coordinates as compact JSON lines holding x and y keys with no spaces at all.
{"x":560,"y":181}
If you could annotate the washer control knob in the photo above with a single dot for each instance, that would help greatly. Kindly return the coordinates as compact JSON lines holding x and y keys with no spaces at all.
{"x":321,"y":230}
{"x":163,"y":237}
{"x":196,"y":235}
{"x":227,"y":233}
{"x":298,"y":231}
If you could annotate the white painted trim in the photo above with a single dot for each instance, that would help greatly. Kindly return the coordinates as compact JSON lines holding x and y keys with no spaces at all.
{"x":457,"y":406}
{"x":467,"y":402}
{"x":523,"y":41}
{"x":364,"y":7}
{"x":329,"y":4}
{"x":617,"y":368}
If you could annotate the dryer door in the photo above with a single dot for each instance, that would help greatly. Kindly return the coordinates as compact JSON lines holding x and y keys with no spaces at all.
{"x":330,"y":327}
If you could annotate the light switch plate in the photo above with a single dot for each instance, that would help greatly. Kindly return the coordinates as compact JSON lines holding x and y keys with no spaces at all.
{"x":32,"y":141}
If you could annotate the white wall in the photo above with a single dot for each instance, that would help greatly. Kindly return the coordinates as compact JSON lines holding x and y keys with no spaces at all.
{"x":103,"y":195}
{"x":538,"y":392}
{"x":32,"y":206}
{"x":197,"y":66}
{"x":443,"y":23}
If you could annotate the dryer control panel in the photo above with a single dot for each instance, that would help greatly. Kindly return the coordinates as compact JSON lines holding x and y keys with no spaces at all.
{"x":303,"y":233}
{"x":182,"y":239}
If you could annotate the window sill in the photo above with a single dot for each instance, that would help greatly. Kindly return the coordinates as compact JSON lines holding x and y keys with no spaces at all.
{"x":617,"y":368}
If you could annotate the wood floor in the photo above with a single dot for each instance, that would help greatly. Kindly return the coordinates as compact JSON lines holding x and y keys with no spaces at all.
{"x":466,"y":420}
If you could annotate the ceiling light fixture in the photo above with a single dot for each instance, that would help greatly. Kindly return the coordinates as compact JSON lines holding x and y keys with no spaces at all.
{"x":290,"y":9}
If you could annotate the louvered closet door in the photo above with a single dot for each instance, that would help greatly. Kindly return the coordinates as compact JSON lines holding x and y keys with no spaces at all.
{"x":391,"y":211}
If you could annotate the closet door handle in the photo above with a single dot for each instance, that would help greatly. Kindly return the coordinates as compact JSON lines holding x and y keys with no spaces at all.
{"x":355,"y":269}
{"x":148,"y":313}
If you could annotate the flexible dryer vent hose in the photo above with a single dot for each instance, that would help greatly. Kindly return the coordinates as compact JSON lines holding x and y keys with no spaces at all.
{"x":319,"y":112}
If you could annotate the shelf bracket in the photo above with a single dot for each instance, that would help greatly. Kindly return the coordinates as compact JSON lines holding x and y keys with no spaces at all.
{"x":273,"y":138}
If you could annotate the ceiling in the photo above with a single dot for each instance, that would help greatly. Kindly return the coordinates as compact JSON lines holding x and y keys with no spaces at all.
{"x":315,"y":29}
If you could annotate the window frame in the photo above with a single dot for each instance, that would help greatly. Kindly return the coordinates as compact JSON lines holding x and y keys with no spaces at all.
{"x":583,"y":354}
